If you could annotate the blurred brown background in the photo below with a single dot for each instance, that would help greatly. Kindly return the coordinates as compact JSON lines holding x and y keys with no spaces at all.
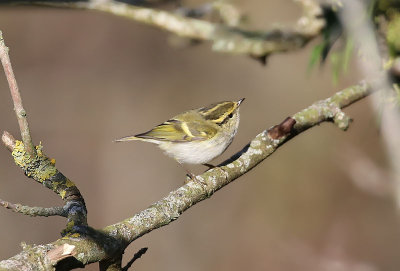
{"x":87,"y":78}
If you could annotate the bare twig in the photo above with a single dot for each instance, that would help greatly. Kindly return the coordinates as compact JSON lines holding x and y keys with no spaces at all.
{"x":33,"y":211}
{"x":16,"y":97}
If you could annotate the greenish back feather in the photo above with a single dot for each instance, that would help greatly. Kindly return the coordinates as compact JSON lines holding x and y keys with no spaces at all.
{"x":189,"y":126}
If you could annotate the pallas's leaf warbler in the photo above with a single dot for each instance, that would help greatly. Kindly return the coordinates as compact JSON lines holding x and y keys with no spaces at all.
{"x":196,"y":136}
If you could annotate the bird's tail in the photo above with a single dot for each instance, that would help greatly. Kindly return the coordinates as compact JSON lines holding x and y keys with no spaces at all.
{"x":126,"y":138}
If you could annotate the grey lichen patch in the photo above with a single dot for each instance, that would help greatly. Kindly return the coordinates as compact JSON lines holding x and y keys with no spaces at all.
{"x":255,"y":143}
{"x":350,"y":94}
{"x":124,"y":232}
{"x":264,"y":135}
{"x":80,"y":256}
{"x":31,"y":258}
{"x":342,"y":120}
{"x":310,"y":114}
{"x":170,"y":209}
{"x":276,"y":142}
{"x":213,"y":180}
{"x":25,"y":246}
{"x":248,"y":157}
{"x":238,"y":163}
{"x":146,"y":217}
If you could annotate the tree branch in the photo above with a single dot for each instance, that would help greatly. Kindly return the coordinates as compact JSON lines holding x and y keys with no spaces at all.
{"x":16,"y":97}
{"x":33,"y":211}
{"x":97,"y":245}
{"x":224,"y":38}
{"x":38,"y":166}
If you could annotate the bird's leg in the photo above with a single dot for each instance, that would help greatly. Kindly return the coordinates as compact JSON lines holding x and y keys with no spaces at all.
{"x":191,"y":176}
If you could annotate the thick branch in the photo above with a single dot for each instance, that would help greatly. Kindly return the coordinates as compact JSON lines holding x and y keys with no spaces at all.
{"x":94,"y":246}
{"x":224,"y":38}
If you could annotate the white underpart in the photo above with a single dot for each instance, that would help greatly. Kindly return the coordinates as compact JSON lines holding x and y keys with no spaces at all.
{"x":199,"y":152}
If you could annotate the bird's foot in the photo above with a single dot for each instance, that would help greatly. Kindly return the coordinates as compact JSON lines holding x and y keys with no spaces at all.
{"x":194,"y":178}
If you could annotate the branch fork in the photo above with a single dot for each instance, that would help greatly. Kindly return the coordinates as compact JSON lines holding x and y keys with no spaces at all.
{"x":82,"y":245}
{"x":36,"y":165}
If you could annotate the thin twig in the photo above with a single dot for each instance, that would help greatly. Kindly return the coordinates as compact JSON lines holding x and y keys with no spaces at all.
{"x":137,"y":255}
{"x":16,"y":97}
{"x":33,"y":211}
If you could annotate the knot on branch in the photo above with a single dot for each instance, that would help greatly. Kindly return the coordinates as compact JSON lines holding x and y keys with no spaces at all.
{"x":333,"y":113}
{"x":342,"y":120}
{"x":282,"y":129}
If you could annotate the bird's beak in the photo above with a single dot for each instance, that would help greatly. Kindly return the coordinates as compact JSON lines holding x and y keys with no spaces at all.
{"x":240,"y":101}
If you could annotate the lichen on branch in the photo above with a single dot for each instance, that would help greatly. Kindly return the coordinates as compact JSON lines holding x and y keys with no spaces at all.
{"x":43,"y":170}
{"x":224,"y":38}
{"x":36,"y":165}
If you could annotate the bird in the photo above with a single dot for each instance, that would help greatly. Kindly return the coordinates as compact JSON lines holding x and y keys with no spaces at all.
{"x":195,"y":136}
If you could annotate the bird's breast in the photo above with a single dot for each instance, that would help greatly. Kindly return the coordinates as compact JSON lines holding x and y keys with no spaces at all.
{"x":196,"y":152}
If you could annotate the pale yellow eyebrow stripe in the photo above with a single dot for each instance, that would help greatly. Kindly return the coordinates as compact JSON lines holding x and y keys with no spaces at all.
{"x":185,"y":128}
{"x":215,"y":107}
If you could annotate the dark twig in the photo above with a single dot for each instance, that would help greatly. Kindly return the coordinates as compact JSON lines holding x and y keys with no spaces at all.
{"x":137,"y":255}
{"x":16,"y":97}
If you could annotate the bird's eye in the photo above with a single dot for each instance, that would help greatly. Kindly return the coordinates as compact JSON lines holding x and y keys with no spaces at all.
{"x":230,"y":115}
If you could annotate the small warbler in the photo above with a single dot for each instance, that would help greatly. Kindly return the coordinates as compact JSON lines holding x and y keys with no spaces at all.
{"x":196,"y":136}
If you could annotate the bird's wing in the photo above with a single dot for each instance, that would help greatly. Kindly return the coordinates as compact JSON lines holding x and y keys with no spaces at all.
{"x":176,"y":130}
